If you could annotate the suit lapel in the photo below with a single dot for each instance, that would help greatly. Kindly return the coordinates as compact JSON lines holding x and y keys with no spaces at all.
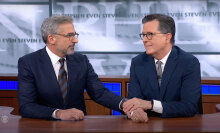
{"x":51,"y":76}
{"x":168,"y":70}
{"x":150,"y":69}
{"x":73,"y":73}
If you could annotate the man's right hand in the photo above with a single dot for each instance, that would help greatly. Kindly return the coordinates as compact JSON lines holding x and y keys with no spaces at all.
{"x":139,"y":115}
{"x":70,"y":114}
{"x":134,"y":103}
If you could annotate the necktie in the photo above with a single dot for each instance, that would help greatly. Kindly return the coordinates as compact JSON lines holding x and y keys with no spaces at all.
{"x":62,"y":79}
{"x":159,"y":71}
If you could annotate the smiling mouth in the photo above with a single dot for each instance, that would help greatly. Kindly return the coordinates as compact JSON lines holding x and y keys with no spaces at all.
{"x":147,"y":45}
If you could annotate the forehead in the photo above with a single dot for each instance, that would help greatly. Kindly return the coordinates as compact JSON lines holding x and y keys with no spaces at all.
{"x":66,"y":28}
{"x":151,"y":26}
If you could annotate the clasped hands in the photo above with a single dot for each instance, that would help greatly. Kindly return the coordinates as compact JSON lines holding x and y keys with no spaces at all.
{"x":135,"y":109}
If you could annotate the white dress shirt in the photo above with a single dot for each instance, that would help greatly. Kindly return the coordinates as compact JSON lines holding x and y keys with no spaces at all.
{"x":157,"y":107}
{"x":56,"y":66}
{"x":55,"y":62}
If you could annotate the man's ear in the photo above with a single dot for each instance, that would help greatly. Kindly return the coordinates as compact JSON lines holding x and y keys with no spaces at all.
{"x":51,"y":39}
{"x":168,"y":37}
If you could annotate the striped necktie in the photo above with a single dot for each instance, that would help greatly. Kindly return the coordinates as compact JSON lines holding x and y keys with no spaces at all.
{"x":159,"y":71}
{"x":62,"y":79}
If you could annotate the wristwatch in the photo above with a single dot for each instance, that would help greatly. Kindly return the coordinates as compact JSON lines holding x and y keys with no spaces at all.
{"x":122,"y":102}
{"x":152,"y":103}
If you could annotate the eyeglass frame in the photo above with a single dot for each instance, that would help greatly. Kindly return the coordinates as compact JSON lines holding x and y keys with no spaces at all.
{"x":151,"y":34}
{"x":69,"y":35}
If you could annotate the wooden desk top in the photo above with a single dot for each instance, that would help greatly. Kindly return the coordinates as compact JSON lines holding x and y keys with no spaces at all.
{"x":102,"y":124}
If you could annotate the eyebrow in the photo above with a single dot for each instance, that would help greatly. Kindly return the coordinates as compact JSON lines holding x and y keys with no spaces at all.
{"x":146,"y":32}
{"x":70,"y":33}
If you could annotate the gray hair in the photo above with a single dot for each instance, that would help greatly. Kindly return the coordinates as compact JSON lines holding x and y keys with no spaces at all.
{"x":51,"y":25}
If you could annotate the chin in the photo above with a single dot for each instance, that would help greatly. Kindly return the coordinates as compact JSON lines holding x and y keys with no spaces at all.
{"x":70,"y":52}
{"x":148,"y":52}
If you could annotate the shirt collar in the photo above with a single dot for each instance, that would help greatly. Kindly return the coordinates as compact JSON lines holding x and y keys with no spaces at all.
{"x":164,"y":59}
{"x":53,"y":57}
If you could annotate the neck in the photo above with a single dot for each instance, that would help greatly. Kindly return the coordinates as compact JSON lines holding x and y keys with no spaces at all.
{"x":55,"y":51}
{"x":163,"y":53}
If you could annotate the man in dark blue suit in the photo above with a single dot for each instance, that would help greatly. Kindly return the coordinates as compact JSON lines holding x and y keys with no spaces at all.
{"x":164,"y":81}
{"x":51,"y":81}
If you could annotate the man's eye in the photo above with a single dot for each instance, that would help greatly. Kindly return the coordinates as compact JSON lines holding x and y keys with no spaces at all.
{"x":70,"y":34}
{"x":150,"y":34}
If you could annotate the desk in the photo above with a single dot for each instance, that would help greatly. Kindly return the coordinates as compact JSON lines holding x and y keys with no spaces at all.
{"x":104,"y":124}
{"x":9,"y":97}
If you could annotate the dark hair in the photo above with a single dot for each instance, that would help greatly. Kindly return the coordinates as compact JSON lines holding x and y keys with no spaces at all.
{"x":166,"y":24}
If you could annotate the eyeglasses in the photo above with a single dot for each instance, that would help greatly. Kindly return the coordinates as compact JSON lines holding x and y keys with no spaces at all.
{"x":149,"y":35}
{"x":69,"y":35}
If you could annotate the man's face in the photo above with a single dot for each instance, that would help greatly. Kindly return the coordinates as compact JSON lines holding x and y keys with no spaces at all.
{"x":157,"y":45}
{"x":64,"y":45}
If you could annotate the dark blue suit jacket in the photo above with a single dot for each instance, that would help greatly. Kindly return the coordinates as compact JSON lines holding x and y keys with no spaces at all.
{"x":38,"y":89}
{"x":180,"y":86}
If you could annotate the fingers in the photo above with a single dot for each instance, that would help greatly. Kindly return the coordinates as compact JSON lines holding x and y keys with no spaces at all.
{"x":135,"y":103}
{"x":131,"y":111}
{"x":71,"y":114}
{"x":144,"y":116}
{"x":139,"y":116}
{"x":77,"y":114}
{"x":81,"y":115}
{"x":129,"y":114}
{"x":130,"y":105}
{"x":134,"y":117}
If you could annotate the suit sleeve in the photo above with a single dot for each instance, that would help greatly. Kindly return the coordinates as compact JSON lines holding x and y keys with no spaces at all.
{"x":27,"y":94}
{"x":134,"y":89}
{"x":98,"y":92}
{"x":190,"y":93}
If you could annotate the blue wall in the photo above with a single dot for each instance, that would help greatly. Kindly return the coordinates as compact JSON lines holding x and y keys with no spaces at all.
{"x":114,"y":87}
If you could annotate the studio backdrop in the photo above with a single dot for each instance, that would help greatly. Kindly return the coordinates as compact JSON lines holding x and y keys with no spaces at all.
{"x":109,"y":30}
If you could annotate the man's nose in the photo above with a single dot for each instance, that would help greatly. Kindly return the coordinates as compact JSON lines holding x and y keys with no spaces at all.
{"x":145,"y":39}
{"x":75,"y":40}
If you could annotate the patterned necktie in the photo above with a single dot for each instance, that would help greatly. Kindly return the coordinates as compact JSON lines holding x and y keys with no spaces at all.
{"x":159,"y":71}
{"x":62,"y":79}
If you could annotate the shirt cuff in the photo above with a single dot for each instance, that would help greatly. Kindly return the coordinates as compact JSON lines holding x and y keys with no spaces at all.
{"x":157,"y":107}
{"x":54,"y":113}
{"x":121,"y":103}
